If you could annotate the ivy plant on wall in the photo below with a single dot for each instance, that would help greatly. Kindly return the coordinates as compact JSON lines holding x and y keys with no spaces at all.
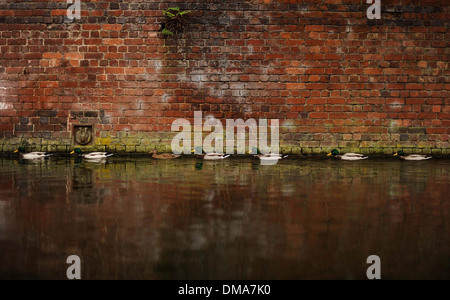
{"x":175,"y":22}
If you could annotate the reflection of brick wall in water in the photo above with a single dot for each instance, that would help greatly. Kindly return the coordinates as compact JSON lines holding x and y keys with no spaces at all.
{"x":332,"y":77}
{"x":281,"y":222}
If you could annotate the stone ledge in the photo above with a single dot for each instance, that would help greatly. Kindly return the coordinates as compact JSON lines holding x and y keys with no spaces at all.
{"x":145,"y":144}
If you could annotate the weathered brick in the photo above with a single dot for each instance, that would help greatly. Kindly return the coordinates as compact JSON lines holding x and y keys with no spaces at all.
{"x":19,"y":127}
{"x":48,"y":113}
{"x":339,"y":84}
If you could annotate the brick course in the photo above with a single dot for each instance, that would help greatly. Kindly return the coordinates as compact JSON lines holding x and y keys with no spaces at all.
{"x":332,"y":77}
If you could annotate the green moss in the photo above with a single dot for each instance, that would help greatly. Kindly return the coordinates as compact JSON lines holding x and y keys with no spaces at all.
{"x":130,"y":141}
{"x":318,"y":151}
{"x":145,"y":142}
{"x":286,"y":150}
{"x":103,"y":141}
{"x":307,"y":151}
{"x":446,"y":151}
{"x":122,"y":134}
{"x":141,"y":149}
{"x":437,"y":152}
{"x":122,"y":149}
{"x":296,"y":150}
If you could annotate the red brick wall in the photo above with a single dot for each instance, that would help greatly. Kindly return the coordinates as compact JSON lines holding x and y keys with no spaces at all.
{"x":332,"y":77}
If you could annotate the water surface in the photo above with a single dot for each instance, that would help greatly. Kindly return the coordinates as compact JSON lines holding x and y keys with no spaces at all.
{"x":136,"y":218}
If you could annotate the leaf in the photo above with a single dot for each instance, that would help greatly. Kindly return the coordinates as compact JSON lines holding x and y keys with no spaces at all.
{"x":167,"y":32}
{"x":169,"y":14}
{"x":184,"y":12}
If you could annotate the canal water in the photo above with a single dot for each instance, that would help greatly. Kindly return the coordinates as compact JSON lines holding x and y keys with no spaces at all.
{"x":139,"y":218}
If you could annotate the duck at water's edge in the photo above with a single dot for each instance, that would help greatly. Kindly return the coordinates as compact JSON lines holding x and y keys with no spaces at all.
{"x":157,"y":155}
{"x":347,"y":156}
{"x":198,"y":151}
{"x":31,"y":155}
{"x":414,"y":157}
{"x":92,"y":155}
{"x":266,"y":157}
